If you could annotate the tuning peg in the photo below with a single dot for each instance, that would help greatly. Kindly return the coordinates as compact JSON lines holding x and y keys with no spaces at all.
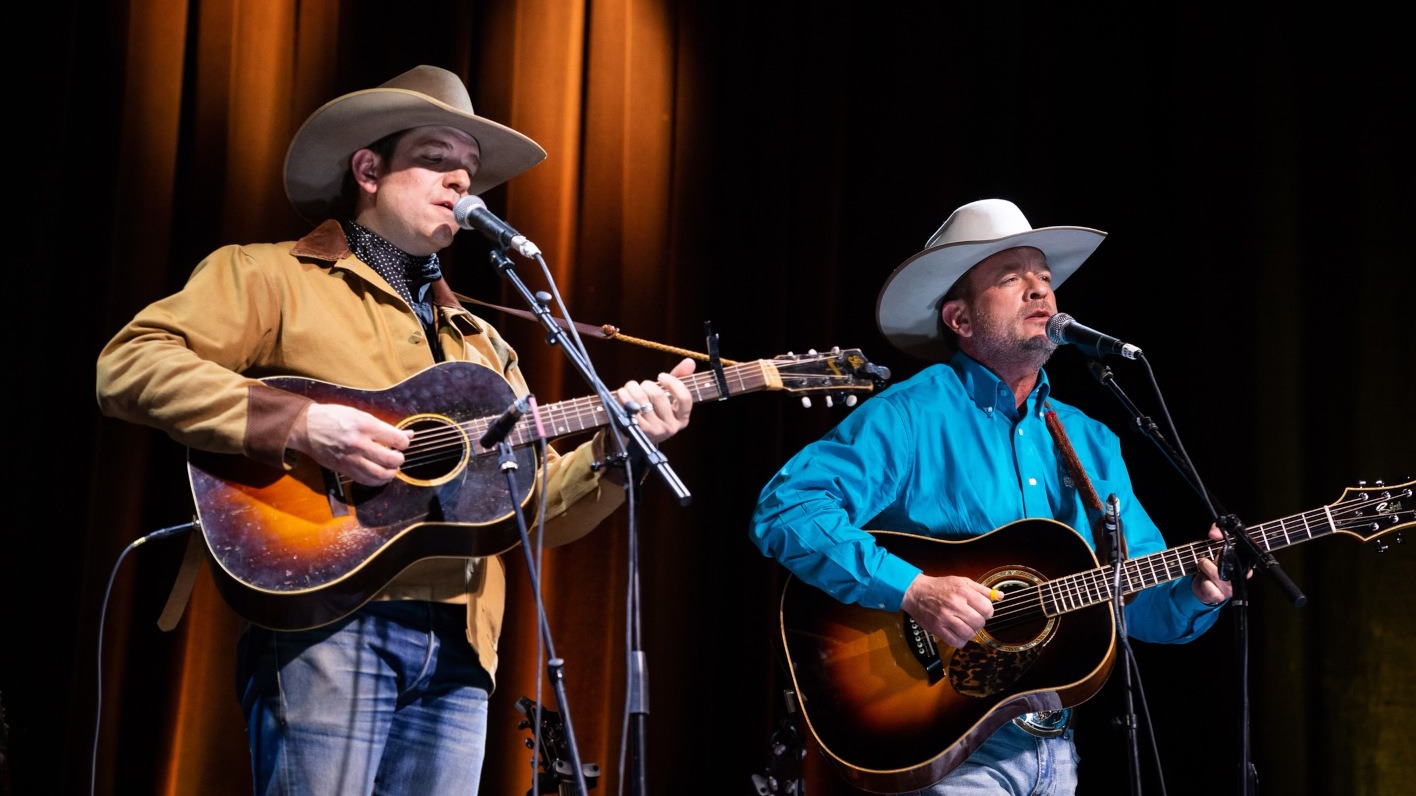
{"x":806,"y":401}
{"x":851,"y":400}
{"x":829,"y":403}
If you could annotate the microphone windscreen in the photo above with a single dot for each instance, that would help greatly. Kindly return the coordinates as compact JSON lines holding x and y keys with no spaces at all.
{"x":1057,"y":328}
{"x":463,"y":208}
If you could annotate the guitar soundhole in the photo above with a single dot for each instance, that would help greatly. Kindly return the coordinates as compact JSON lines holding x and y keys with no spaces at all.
{"x":1018,"y":622}
{"x":1009,"y":645}
{"x":439,"y":450}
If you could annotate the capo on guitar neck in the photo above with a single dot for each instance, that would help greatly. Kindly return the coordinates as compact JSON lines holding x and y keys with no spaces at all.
{"x":715,"y":362}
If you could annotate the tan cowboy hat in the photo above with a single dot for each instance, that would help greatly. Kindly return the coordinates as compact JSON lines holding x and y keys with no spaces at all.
{"x":907,"y":310}
{"x":318,"y":157}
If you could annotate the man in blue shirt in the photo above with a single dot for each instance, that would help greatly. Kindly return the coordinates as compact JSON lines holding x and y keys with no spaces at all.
{"x":970,"y":444}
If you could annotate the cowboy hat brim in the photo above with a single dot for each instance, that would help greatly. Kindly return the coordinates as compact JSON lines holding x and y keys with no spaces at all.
{"x":318,"y":157}
{"x":908,"y":307}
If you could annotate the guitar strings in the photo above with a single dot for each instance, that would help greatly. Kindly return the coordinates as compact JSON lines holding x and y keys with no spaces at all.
{"x":1055,"y":597}
{"x":448,"y":442}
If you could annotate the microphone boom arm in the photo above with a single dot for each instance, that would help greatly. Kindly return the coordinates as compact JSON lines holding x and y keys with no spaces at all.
{"x":556,"y":336}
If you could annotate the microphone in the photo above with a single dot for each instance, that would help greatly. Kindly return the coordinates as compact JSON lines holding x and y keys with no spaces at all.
{"x":472,"y":213}
{"x":1063,"y":330}
{"x":499,"y":428}
{"x":1114,"y":543}
{"x":1112,"y":517}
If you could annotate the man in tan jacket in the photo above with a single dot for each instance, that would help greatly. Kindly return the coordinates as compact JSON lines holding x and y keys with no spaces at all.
{"x":380,"y":679}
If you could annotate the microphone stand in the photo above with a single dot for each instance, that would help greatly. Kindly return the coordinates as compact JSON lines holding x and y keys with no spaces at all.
{"x":556,"y":336}
{"x":555,"y":666}
{"x":1241,"y":554}
{"x":637,"y":687}
{"x":622,"y":422}
{"x":1129,"y":719}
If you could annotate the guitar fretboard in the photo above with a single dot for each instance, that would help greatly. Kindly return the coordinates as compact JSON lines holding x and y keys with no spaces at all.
{"x":583,"y":414}
{"x":1363,"y":512}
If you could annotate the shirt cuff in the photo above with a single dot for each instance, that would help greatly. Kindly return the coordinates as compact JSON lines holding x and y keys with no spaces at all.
{"x":890,"y":582}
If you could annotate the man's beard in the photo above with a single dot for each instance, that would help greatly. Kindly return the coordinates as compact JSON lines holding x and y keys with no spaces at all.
{"x":999,"y":344}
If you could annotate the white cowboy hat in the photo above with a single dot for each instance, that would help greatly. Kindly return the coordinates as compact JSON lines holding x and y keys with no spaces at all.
{"x":318,"y":157}
{"x":908,"y":307}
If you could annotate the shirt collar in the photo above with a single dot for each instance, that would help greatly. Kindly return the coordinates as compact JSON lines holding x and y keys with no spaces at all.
{"x":989,"y":393}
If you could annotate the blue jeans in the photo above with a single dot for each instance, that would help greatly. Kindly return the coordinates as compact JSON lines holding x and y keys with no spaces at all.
{"x":1016,"y":762}
{"x":389,"y":700}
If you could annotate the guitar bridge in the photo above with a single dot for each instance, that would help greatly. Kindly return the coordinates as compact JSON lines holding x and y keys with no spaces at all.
{"x":924,"y":649}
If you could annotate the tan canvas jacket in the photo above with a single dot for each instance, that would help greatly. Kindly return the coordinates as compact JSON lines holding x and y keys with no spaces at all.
{"x":190,"y":365}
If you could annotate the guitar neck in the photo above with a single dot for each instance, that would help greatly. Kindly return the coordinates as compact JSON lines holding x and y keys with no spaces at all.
{"x":583,"y":414}
{"x":1089,"y":588}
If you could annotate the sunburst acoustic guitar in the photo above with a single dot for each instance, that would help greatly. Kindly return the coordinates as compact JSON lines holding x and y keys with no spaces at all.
{"x":892,"y":710}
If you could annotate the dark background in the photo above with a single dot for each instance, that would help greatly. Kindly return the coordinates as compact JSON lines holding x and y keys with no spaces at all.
{"x":1252,"y":166}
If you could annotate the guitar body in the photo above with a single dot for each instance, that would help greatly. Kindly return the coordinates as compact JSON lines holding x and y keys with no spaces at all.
{"x":895,"y":713}
{"x":301,"y":548}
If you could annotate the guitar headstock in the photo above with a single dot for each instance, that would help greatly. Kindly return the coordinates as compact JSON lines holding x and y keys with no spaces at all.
{"x":557,"y":773}
{"x":1368,"y":511}
{"x":839,"y":373}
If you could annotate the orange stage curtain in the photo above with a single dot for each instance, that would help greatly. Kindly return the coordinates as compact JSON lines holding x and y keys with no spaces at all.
{"x":760,"y":167}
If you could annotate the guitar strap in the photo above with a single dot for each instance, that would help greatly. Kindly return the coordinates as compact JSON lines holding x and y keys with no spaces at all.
{"x":182,"y":586}
{"x":1084,"y":484}
{"x":604,"y":332}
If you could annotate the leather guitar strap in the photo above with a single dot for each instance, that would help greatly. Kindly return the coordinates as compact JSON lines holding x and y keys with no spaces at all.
{"x":1084,"y":484}
{"x":604,"y":332}
{"x":182,"y":586}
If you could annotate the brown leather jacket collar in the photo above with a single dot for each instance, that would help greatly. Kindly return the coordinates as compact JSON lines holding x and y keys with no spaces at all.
{"x":327,"y":242}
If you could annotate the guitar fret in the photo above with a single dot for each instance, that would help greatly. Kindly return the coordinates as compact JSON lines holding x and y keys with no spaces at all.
{"x":1142,"y":578}
{"x":1283,"y":528}
{"x":1101,"y":592}
{"x":1062,"y":596}
{"x":1132,"y":578}
{"x":1327,"y":512}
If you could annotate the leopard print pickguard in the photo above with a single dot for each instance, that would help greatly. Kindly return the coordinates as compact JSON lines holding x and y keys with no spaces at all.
{"x":980,"y":671}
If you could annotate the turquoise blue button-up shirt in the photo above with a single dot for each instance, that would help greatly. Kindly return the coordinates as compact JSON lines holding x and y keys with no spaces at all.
{"x":947,"y":454}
